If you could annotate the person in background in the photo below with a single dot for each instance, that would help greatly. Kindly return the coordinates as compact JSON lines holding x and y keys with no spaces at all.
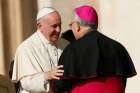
{"x":93,"y":63}
{"x":35,"y":62}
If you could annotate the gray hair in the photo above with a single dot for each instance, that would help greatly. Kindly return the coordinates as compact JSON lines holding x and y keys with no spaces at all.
{"x":84,"y":23}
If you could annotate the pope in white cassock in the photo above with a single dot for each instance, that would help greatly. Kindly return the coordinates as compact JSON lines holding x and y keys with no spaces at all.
{"x":36,"y":58}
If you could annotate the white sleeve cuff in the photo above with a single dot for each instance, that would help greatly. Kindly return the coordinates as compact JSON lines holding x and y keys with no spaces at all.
{"x":35,"y":83}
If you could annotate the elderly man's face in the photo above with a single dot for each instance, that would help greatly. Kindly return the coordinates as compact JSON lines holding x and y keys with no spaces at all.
{"x":50,"y":26}
{"x":74,"y":25}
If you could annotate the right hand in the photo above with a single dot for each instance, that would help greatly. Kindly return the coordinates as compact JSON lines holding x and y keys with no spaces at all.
{"x":55,"y":73}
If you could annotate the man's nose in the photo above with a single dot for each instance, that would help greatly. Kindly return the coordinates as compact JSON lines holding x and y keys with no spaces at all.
{"x":58,"y":29}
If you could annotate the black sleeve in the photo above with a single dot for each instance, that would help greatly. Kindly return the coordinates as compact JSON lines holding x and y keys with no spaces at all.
{"x":68,"y":35}
{"x":65,"y":84}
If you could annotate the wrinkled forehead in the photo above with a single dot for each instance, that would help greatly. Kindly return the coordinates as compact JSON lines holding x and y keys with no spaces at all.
{"x":54,"y":15}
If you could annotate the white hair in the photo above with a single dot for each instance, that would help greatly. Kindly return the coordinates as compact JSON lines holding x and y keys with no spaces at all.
{"x":84,"y":23}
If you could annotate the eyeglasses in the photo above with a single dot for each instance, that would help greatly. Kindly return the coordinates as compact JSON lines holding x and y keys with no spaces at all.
{"x":70,"y":25}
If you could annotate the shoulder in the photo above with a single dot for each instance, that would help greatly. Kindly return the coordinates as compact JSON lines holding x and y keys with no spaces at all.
{"x":28,"y":44}
{"x":107,"y":39}
{"x":110,"y":43}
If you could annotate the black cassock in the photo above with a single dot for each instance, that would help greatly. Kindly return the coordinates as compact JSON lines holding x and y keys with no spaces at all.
{"x":90,"y":56}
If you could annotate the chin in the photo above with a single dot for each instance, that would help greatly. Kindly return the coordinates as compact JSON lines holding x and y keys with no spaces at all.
{"x":77,"y":38}
{"x":54,"y":40}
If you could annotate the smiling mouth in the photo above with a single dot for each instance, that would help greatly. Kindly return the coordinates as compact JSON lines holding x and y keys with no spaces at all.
{"x":56,"y":36}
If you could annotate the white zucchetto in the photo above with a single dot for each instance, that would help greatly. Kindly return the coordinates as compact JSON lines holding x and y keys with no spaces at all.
{"x":45,"y":11}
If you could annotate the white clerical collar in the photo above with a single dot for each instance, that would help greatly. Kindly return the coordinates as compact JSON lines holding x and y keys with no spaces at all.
{"x":42,"y":37}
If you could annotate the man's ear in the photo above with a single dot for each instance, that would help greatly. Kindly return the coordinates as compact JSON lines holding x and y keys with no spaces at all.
{"x":38,"y":25}
{"x":77,"y":26}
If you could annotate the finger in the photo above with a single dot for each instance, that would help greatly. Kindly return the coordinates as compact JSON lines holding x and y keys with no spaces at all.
{"x":60,"y":71}
{"x":60,"y":66}
{"x":58,"y":74}
{"x":55,"y":77}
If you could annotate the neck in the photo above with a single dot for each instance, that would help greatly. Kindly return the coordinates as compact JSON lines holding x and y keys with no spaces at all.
{"x":53,"y":43}
{"x":85,"y":31}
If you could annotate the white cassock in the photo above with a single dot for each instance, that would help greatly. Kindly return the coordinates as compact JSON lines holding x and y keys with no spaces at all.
{"x":32,"y":58}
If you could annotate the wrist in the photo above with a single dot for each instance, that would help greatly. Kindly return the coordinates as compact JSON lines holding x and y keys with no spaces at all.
{"x":47,"y":75}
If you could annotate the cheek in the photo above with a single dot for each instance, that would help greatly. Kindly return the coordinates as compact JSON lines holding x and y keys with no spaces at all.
{"x":74,"y":33}
{"x":47,"y":30}
{"x":73,"y":30}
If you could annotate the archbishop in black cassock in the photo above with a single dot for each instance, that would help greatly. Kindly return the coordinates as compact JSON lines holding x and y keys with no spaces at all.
{"x":91,"y":56}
